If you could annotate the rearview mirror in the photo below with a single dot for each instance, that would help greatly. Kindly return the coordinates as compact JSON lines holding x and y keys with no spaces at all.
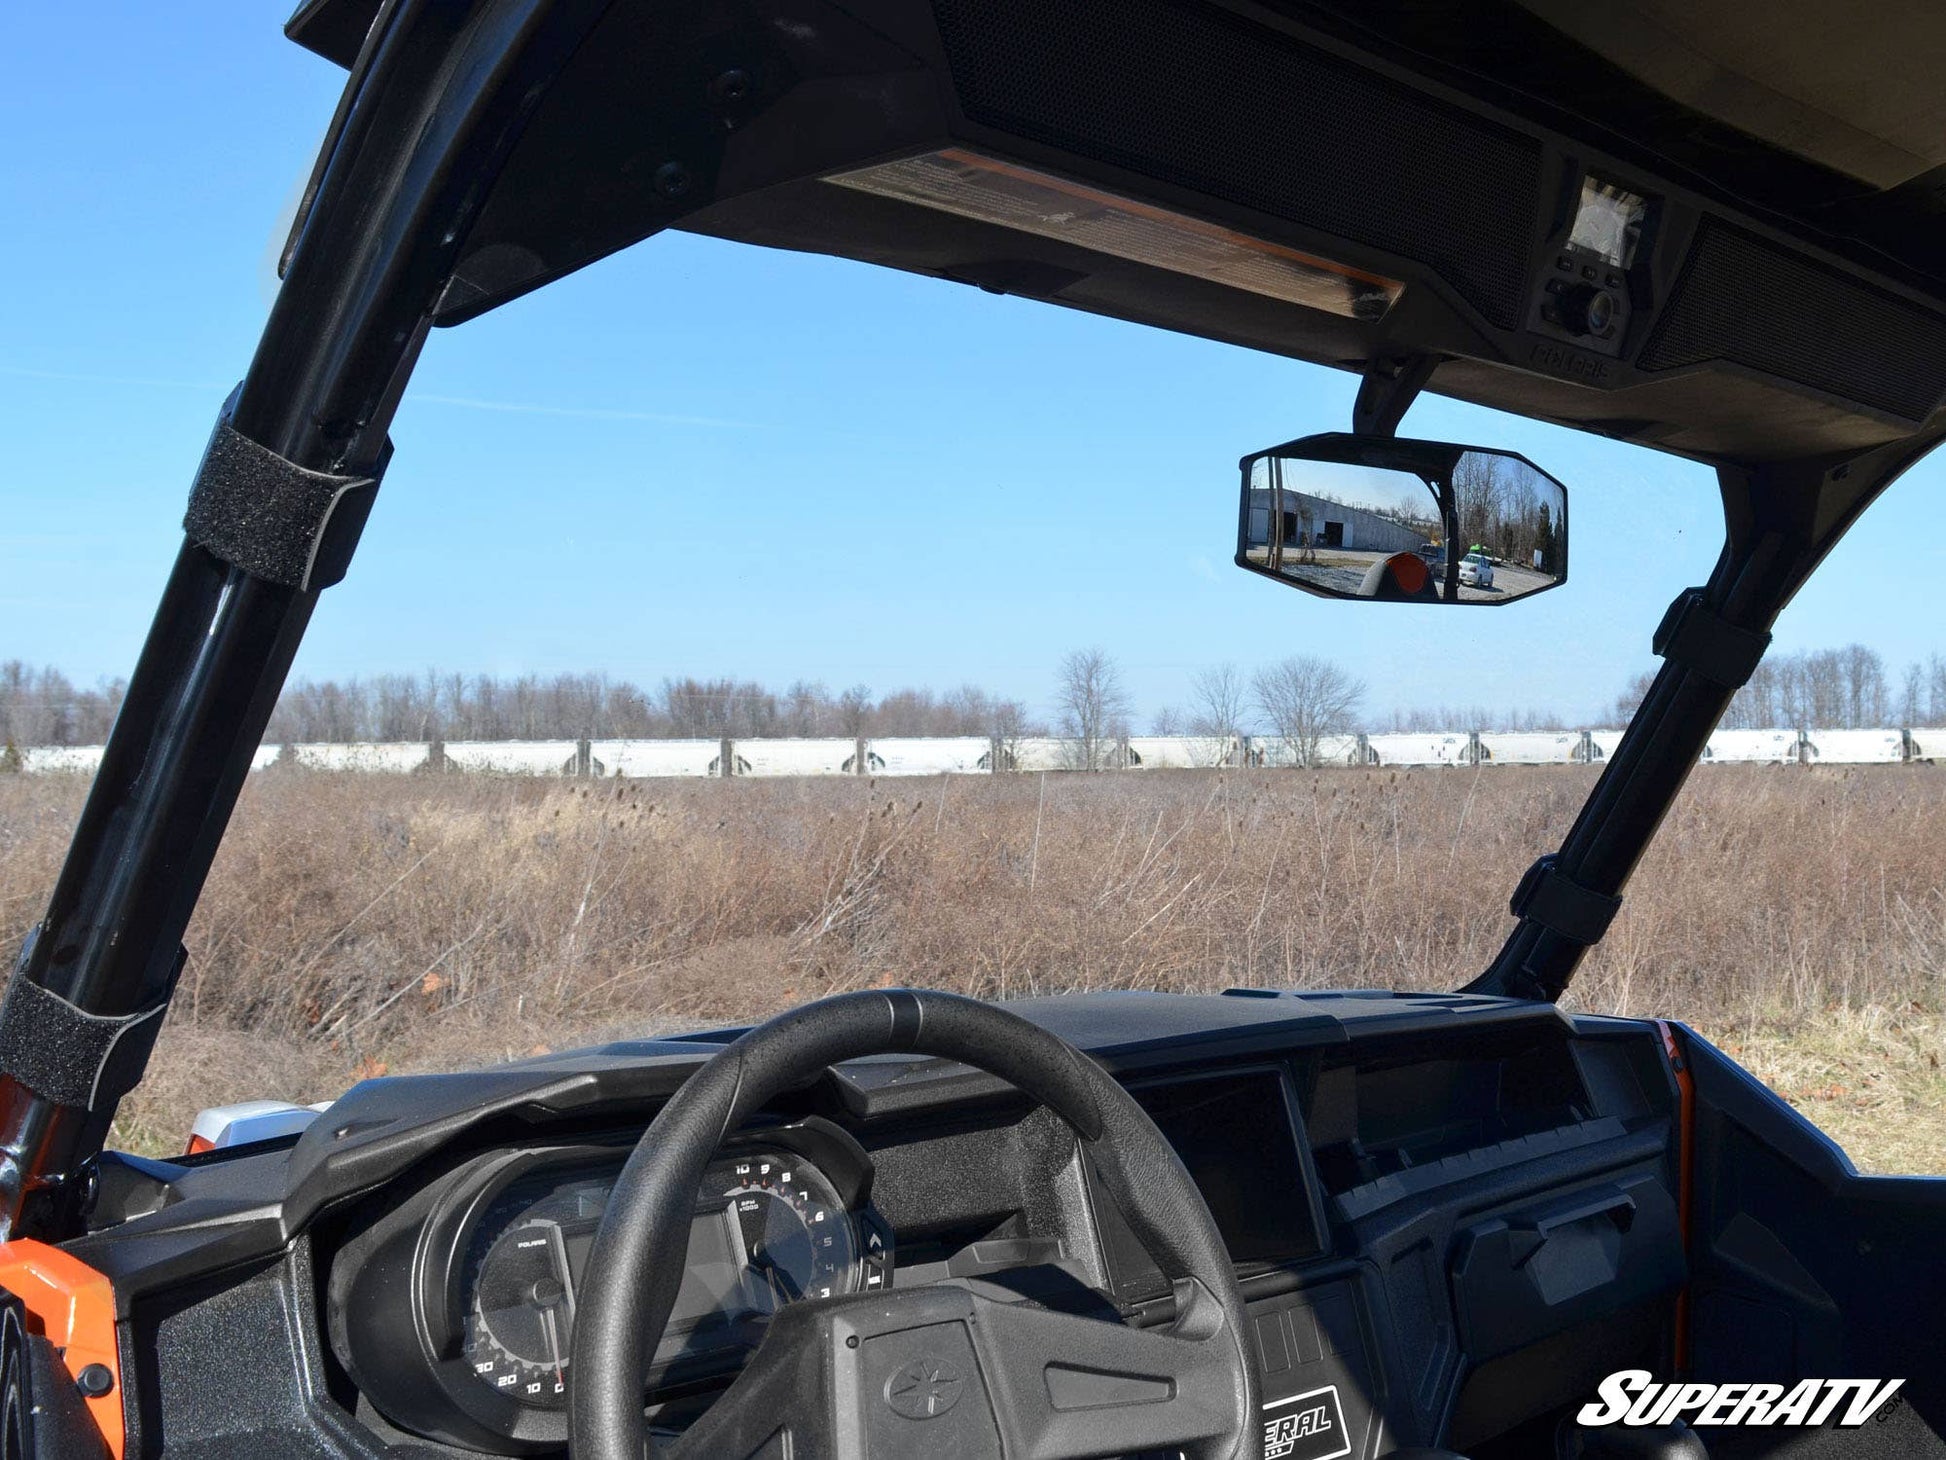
{"x":1396,"y":521}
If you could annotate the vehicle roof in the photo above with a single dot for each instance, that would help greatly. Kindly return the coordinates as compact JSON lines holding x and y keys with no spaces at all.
{"x":1792,"y":297}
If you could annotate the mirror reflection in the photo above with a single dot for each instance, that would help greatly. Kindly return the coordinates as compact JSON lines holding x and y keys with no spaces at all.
{"x":1402,"y":521}
{"x":1512,"y":519}
{"x":1327,"y":524}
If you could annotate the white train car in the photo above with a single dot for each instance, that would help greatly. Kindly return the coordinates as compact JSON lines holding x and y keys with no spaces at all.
{"x":1420,"y":748}
{"x":1047,"y":753}
{"x":1530,"y":747}
{"x":391,"y":758}
{"x":513,"y":757}
{"x":1277,"y":752}
{"x":61,"y":760}
{"x":1752,"y":747}
{"x":945,"y":755}
{"x":1854,"y":747}
{"x":1181,"y":752}
{"x":652,"y":758}
{"x":824,"y":756}
{"x":1928,"y":744}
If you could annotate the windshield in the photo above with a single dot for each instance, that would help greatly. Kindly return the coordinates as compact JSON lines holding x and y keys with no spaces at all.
{"x":739,"y":626}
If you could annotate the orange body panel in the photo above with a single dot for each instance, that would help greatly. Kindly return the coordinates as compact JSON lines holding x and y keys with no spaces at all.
{"x":73,"y":1307}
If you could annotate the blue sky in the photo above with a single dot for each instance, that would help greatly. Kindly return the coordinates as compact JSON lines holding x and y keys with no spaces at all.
{"x":700,"y":458}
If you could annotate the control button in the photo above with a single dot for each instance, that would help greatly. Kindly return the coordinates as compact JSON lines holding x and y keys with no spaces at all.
{"x":1338,"y":1323}
{"x":1271,"y":1345}
{"x":1557,"y":286}
{"x":1588,"y":271}
{"x":1586,"y":310}
{"x":1565,"y":263}
{"x":1304,"y":1329}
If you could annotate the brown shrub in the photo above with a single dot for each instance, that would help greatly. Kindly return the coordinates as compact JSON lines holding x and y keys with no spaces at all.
{"x":414,"y":922}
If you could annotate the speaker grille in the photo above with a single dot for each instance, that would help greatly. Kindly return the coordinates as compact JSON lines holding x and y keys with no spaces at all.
{"x":1743,"y":299}
{"x":1206,"y":101}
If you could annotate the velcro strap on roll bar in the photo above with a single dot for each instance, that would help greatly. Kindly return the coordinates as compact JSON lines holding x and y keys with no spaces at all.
{"x":1695,"y":636}
{"x":74,"y":1058}
{"x":1550,"y":897}
{"x":271,"y":517}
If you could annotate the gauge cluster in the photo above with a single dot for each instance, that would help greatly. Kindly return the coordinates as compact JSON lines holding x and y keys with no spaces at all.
{"x":489,"y":1260}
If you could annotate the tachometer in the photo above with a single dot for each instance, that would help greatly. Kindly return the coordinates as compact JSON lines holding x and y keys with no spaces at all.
{"x":794,"y":1236}
{"x":769,"y":1229}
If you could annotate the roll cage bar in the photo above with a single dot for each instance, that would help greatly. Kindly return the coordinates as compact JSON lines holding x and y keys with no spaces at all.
{"x":439,"y":100}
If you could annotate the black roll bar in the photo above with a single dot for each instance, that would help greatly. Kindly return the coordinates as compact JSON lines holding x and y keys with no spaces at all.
{"x":437,"y":99}
{"x":1781,"y":519}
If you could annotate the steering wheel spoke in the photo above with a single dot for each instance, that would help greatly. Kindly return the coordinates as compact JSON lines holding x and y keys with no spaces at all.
{"x":1070,"y":1387}
{"x":950,"y":1370}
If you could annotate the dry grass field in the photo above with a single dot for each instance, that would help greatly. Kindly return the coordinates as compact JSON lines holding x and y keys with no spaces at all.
{"x":362,"y":924}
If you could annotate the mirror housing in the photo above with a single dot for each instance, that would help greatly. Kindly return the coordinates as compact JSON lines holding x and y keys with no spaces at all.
{"x":1395,"y":521}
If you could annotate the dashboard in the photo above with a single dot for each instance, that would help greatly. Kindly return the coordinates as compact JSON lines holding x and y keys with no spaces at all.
{"x":1448,"y":1214}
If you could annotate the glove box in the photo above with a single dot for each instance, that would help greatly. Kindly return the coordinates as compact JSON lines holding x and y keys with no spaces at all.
{"x":1525,"y":1275}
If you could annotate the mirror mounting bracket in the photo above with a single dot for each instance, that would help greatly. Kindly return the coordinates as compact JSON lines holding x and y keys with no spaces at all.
{"x":1391,"y":384}
{"x":1695,"y":635}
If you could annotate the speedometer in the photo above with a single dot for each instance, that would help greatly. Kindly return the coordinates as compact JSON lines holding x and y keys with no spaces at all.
{"x":453,"y":1309}
{"x":769,"y":1228}
{"x":522,"y":1316}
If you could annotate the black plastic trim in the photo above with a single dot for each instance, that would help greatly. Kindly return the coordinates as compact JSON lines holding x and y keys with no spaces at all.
{"x":1694,"y":635}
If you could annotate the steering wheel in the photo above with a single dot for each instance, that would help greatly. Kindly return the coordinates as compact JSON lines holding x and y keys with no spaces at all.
{"x":949,"y":1369}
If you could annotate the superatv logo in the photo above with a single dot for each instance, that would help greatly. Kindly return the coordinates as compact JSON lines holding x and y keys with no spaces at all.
{"x":1632,"y":1397}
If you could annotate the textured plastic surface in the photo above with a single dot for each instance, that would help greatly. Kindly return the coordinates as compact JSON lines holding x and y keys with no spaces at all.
{"x":1550,"y":897}
{"x":1805,"y":1269}
{"x":1696,"y":636}
{"x":1530,"y":1273}
{"x":1745,"y":299}
{"x":1183,"y":94}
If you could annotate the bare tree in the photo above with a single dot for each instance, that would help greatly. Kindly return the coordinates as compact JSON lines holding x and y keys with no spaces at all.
{"x":1093,"y":705}
{"x":42,"y":707}
{"x":855,"y":711}
{"x":1219,"y":704}
{"x":1934,"y":711}
{"x":1824,"y":689}
{"x":1630,"y":699}
{"x":1306,"y":699}
{"x":1006,"y":726}
{"x":1867,"y":697}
